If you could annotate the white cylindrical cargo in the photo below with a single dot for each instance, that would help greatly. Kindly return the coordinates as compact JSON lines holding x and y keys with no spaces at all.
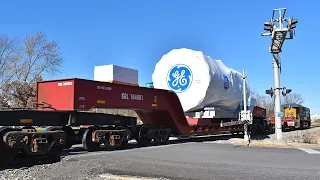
{"x":199,"y":81}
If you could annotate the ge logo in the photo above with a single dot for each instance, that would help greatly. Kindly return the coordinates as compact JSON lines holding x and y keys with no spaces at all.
{"x":226,"y":82}
{"x":179,"y":78}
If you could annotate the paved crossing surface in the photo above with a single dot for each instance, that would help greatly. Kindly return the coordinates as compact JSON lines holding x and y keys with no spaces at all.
{"x":180,"y":160}
{"x":197,"y":160}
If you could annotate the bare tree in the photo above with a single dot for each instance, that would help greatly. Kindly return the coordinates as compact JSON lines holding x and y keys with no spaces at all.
{"x":39,"y":57}
{"x":264,"y":101}
{"x":28,"y":63}
{"x":9,"y":55}
{"x":268,"y":103}
{"x":260,"y":99}
{"x":20,"y":93}
{"x":293,"y":98}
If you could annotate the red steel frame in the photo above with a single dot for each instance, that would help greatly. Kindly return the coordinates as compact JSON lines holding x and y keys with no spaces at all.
{"x":155,"y":107}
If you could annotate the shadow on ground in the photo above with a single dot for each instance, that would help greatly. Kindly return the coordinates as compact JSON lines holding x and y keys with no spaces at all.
{"x":25,"y":162}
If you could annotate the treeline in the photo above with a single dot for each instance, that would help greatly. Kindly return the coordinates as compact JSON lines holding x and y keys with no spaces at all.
{"x":265,"y":101}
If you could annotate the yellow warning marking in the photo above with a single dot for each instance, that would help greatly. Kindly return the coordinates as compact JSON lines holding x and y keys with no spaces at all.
{"x":154,"y":105}
{"x":206,"y":129}
{"x":26,"y":120}
{"x":116,"y":121}
{"x":101,"y":101}
{"x":192,"y":131}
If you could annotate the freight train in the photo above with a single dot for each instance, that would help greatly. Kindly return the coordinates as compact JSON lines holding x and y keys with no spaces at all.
{"x":174,"y":107}
{"x":295,"y":117}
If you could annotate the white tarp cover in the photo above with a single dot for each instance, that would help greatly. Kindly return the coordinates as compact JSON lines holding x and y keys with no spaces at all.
{"x":112,"y":73}
{"x":198,"y":80}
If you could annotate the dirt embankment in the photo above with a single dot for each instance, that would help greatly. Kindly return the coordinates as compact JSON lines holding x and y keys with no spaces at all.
{"x":309,"y":138}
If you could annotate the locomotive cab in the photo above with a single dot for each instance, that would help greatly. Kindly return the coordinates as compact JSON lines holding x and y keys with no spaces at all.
{"x":297,"y":114}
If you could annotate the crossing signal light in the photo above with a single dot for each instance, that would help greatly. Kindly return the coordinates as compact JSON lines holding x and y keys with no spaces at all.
{"x":292,"y":23}
{"x":286,"y":91}
{"x":268,"y":26}
{"x":270,"y":92}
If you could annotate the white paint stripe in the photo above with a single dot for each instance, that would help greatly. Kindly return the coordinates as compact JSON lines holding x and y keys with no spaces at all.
{"x":116,"y":177}
{"x":310,"y":151}
{"x":170,"y":139}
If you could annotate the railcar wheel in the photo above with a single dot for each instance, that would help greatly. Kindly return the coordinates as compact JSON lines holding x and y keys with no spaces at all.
{"x":164,"y":136}
{"x":5,"y":151}
{"x":157,"y":137}
{"x":126,"y":138}
{"x":106,"y":138}
{"x":143,"y":139}
{"x":87,"y":142}
{"x":69,"y":132}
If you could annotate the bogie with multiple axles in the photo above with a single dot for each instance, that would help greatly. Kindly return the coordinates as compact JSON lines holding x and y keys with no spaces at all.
{"x":144,"y":135}
{"x":109,"y":137}
{"x":28,"y":141}
{"x":106,"y":132}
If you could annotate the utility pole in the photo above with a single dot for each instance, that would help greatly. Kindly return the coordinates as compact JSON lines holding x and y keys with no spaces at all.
{"x":278,"y":36}
{"x":245,"y":114}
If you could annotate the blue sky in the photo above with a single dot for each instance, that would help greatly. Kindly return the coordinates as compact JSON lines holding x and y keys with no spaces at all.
{"x":137,"y":33}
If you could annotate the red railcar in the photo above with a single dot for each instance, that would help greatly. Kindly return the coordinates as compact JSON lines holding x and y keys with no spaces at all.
{"x":259,"y":112}
{"x":66,"y":102}
{"x":155,"y":107}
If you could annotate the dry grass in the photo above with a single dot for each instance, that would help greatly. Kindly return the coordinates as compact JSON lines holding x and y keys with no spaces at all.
{"x":283,"y":145}
{"x":309,"y":138}
{"x":315,"y":123}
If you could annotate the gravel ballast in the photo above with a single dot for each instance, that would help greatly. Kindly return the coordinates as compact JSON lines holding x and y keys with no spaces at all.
{"x":71,"y":167}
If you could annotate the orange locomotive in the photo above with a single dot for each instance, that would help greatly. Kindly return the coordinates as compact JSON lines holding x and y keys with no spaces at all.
{"x":295,"y":117}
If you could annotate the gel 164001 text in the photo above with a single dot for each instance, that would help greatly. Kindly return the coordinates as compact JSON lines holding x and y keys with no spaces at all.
{"x":129,"y":96}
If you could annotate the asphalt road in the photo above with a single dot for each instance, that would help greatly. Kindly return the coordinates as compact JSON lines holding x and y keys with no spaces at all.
{"x":194,"y":160}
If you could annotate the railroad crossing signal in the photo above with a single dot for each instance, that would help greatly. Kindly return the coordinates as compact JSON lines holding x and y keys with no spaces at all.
{"x":292,"y":23}
{"x":278,"y":36}
{"x":285,"y":91}
{"x":270,"y":92}
{"x":268,"y":26}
